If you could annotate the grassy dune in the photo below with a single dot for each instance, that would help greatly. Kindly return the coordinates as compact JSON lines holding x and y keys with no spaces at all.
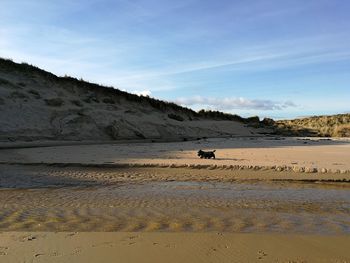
{"x":325,"y":126}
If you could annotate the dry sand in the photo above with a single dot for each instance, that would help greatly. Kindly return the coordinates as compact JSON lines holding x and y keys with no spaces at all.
{"x":171,"y":247}
{"x":290,"y":154}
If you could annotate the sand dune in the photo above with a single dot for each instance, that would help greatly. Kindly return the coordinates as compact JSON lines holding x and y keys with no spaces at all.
{"x":36,"y":105}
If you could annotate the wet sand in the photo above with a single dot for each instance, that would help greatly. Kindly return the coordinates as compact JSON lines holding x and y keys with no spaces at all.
{"x":159,"y":202}
{"x":91,"y":199}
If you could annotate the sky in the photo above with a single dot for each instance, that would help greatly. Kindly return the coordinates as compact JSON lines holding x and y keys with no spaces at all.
{"x":271,"y":58}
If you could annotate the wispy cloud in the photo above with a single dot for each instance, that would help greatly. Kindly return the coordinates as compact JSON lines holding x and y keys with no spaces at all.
{"x":252,"y":58}
{"x":234,"y":103}
{"x":251,"y":49}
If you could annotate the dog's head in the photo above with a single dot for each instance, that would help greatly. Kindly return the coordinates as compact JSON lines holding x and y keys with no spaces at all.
{"x":200,"y":153}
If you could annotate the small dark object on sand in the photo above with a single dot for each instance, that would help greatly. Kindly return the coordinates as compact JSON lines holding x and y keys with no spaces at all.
{"x":206,"y":155}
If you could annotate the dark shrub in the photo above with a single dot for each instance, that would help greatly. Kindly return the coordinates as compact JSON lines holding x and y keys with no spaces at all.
{"x":77,"y":103}
{"x":254,"y":119}
{"x":112,"y":130}
{"x":91,"y":98}
{"x":18,"y":95}
{"x":268,"y":122}
{"x":81,"y":112}
{"x":217,"y":115}
{"x":108,"y":101}
{"x":55,"y":102}
{"x":175,"y":117}
{"x":139,"y":134}
{"x":4,"y":82}
{"x":35,"y":93}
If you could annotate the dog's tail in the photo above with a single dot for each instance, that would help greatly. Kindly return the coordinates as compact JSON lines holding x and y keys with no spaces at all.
{"x":214,"y":150}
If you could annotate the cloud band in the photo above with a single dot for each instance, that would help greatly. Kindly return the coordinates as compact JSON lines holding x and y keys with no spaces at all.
{"x":234,"y":103}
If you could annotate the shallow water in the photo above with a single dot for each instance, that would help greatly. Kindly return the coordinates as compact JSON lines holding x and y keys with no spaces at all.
{"x":180,"y":206}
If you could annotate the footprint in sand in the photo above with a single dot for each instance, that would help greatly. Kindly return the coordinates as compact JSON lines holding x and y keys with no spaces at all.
{"x":3,"y":251}
{"x":27,"y":238}
{"x":71,"y":234}
{"x":261,"y":254}
{"x":55,"y":254}
{"x":129,"y":238}
{"x":76,"y":251}
{"x":110,"y":244}
{"x":170,"y":246}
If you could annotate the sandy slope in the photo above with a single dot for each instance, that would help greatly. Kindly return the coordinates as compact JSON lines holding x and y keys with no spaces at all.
{"x":171,"y":247}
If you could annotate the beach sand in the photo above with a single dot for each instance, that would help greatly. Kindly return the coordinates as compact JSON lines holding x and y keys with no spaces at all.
{"x":171,"y":247}
{"x":272,"y":153}
{"x":261,"y":200}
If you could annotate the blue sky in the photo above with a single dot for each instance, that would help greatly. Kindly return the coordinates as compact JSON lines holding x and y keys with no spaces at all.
{"x":274,"y":58}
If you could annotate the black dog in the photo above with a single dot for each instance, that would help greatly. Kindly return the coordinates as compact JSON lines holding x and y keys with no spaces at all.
{"x":206,"y":155}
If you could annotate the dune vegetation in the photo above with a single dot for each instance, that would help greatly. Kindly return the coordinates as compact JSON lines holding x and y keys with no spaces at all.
{"x":323,"y":126}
